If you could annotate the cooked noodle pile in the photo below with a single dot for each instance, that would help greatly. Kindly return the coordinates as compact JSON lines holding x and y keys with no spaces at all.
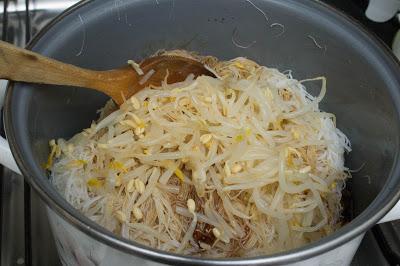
{"x":243,"y":164}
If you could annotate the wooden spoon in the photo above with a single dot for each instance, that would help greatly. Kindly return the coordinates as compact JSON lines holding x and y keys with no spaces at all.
{"x":22,"y":65}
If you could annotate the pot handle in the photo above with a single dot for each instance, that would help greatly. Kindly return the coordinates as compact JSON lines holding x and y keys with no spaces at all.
{"x":6,"y":157}
{"x":393,"y":214}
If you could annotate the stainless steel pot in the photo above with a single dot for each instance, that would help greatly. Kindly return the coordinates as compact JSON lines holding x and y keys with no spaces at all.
{"x":305,"y":36}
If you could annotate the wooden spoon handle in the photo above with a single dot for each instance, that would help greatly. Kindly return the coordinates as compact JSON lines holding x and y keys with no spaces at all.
{"x":22,"y":65}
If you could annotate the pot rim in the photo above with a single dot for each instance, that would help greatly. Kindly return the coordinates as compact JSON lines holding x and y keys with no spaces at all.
{"x":57,"y":203}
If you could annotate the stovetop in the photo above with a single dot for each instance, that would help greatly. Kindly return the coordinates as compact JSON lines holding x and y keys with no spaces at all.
{"x":26,"y":238}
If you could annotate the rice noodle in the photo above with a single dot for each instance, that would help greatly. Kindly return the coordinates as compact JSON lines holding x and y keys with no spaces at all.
{"x":262,"y":166}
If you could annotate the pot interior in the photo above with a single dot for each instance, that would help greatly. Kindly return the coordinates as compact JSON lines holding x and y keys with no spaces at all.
{"x":309,"y":40}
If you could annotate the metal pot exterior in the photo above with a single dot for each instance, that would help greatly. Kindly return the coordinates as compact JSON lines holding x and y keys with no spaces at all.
{"x":77,"y":248}
{"x":363,"y":79}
